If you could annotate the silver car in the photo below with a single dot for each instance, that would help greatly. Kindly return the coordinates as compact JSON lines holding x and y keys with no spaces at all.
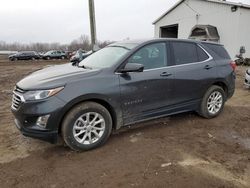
{"x":247,"y":79}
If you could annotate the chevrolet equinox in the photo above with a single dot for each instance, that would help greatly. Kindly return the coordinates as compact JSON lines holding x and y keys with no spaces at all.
{"x":122,"y":84}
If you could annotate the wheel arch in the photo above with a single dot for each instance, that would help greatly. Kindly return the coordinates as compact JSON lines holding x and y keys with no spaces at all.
{"x":223,"y":85}
{"x":115,"y":114}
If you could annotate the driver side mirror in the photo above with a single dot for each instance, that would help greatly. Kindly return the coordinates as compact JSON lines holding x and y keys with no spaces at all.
{"x":132,"y":67}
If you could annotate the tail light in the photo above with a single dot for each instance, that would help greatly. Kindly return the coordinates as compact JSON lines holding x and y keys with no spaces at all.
{"x":233,"y":65}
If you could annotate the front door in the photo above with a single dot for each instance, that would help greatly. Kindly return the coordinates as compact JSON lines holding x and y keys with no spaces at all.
{"x":147,"y":94}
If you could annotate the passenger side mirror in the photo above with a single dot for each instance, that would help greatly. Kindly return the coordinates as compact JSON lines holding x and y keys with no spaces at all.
{"x":132,"y":67}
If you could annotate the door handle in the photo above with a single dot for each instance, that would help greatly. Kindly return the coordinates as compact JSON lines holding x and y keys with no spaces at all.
{"x":166,"y":74}
{"x":208,"y":67}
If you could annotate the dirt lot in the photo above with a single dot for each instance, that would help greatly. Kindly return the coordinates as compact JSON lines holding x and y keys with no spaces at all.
{"x":180,"y":151}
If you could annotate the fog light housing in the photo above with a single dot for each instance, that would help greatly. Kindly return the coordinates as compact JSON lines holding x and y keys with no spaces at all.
{"x":42,"y":121}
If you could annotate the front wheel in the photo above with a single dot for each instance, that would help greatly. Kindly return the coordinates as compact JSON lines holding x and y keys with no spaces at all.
{"x":86,"y":126}
{"x":213,"y":102}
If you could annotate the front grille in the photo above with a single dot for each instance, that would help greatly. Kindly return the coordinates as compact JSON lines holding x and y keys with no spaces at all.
{"x":19,"y":90}
{"x":17,"y":98}
{"x":16,"y":101}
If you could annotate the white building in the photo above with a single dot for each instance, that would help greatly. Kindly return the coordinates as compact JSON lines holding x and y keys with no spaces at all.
{"x":214,"y":20}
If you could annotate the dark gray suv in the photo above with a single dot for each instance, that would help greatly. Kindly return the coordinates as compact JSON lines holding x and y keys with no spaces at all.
{"x":122,"y":84}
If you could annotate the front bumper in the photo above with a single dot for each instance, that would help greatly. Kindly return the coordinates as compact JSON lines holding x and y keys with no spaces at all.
{"x":48,"y":136}
{"x":27,"y":114}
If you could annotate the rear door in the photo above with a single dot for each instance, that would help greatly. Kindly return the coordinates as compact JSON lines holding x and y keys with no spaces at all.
{"x":147,"y":94}
{"x":195,"y":71}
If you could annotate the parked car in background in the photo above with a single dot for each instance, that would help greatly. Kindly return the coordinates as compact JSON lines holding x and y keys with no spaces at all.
{"x":79,"y":56}
{"x":55,"y":54}
{"x":247,"y":79}
{"x":28,"y":55}
{"x":122,"y":84}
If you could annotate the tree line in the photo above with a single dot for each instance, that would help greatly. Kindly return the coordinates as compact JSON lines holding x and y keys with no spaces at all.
{"x":83,"y":42}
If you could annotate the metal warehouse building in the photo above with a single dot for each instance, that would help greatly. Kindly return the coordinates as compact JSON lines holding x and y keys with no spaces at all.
{"x":212,"y":20}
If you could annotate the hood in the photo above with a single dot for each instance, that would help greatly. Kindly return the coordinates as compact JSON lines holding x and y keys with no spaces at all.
{"x":12,"y":55}
{"x":55,"y":76}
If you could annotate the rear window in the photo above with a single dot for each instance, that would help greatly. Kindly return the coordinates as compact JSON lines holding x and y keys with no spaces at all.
{"x":219,"y":50}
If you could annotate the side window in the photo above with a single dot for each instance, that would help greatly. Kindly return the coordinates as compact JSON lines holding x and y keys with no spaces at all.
{"x":219,"y":50}
{"x":151,"y":56}
{"x":201,"y":54}
{"x":184,"y":53}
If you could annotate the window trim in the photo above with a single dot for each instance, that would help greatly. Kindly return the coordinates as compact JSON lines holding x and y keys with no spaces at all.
{"x":170,"y":58}
{"x":167,"y":47}
{"x":197,"y":45}
{"x":186,"y":64}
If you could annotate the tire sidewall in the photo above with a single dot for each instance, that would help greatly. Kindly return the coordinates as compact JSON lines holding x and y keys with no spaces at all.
{"x":68,"y":125}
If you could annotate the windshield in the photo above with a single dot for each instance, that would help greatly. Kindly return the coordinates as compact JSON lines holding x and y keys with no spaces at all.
{"x":48,"y":53}
{"x":104,"y":58}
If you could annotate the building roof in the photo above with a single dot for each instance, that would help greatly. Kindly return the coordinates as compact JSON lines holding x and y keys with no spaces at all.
{"x":213,"y":1}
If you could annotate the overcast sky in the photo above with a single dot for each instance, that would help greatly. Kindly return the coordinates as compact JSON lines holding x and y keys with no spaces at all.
{"x":64,"y":20}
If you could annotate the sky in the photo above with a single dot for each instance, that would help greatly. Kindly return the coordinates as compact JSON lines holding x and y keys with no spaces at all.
{"x":62,"y":21}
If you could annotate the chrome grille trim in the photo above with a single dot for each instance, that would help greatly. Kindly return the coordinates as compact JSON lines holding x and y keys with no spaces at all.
{"x":17,"y":98}
{"x":19,"y":90}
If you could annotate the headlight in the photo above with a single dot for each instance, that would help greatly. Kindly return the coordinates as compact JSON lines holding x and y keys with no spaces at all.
{"x":41,"y":94}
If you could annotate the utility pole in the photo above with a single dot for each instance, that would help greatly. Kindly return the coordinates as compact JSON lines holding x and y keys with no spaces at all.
{"x":92,"y":23}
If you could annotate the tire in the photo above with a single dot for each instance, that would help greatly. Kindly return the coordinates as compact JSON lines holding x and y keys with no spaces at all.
{"x":213,"y":102}
{"x":77,"y":122}
{"x":15,"y":59}
{"x":47,"y":58}
{"x":33,"y":59}
{"x":62,"y":57}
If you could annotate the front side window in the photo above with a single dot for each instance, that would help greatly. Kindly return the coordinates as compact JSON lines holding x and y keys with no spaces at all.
{"x":151,"y":56}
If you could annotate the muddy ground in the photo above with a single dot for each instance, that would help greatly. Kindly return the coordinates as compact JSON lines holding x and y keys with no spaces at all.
{"x":179,"y":151}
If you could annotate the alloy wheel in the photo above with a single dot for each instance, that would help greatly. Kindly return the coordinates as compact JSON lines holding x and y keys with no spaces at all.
{"x":214,"y":102}
{"x":89,"y":128}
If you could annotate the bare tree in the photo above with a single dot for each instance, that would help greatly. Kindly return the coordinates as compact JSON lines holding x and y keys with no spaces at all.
{"x":83,"y":42}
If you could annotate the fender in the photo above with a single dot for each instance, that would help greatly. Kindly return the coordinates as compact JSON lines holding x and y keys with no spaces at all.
{"x":113,"y":107}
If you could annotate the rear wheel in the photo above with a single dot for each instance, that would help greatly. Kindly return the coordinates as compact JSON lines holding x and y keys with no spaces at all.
{"x":86,"y":126}
{"x":48,"y":58}
{"x":62,"y":57}
{"x":213,"y":102}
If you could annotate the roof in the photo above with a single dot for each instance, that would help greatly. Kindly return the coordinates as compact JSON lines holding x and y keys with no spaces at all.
{"x":213,"y":1}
